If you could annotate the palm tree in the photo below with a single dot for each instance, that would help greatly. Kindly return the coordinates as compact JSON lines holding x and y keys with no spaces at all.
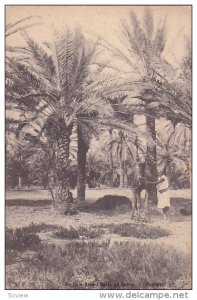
{"x":14,"y":152}
{"x":144,"y":47}
{"x":86,"y":129}
{"x":149,"y":84}
{"x":53,"y":86}
{"x":17,"y":28}
{"x":173,"y":156}
{"x":58,"y":89}
{"x":19,"y":153}
{"x":173,"y":148}
{"x":110,"y":157}
{"x":96,"y":165}
{"x":120,"y":147}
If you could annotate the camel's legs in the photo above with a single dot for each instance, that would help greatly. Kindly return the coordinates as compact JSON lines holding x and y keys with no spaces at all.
{"x":146,"y":204}
{"x":138,"y":201}
{"x":134,"y":205}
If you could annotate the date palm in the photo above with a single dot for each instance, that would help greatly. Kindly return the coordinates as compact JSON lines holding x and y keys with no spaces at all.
{"x":149,"y":84}
{"x":173,"y":159}
{"x":53,"y":86}
{"x":120,"y":147}
{"x":173,"y":152}
{"x":143,"y":47}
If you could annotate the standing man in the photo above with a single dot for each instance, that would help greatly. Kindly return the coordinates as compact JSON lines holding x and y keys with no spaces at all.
{"x":163,"y":195}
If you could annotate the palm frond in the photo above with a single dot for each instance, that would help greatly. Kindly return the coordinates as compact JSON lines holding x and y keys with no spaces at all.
{"x":64,"y":48}
{"x":20,"y":78}
{"x":148,"y":23}
{"x":117,"y":53}
{"x":20,"y":25}
{"x":82,"y":59}
{"x":41,"y":60}
{"x":96,"y":107}
{"x":159,"y":40}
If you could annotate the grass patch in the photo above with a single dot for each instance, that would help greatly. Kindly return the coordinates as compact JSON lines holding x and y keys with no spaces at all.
{"x":72,"y":233}
{"x":64,"y":233}
{"x":36,"y":228}
{"x":140,"y":231}
{"x":18,"y":236}
{"x":96,"y":265}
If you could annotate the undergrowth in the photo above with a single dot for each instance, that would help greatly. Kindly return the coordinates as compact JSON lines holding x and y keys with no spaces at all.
{"x":86,"y":265}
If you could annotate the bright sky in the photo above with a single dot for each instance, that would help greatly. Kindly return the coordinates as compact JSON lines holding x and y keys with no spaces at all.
{"x":104,"y":21}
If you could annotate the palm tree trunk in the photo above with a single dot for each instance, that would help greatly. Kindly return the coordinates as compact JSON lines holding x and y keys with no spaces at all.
{"x":152,"y":159}
{"x":19,"y":182}
{"x":121,"y":174}
{"x":59,"y":177}
{"x":111,"y":175}
{"x":81,"y":173}
{"x":125,"y":175}
{"x":111,"y":167}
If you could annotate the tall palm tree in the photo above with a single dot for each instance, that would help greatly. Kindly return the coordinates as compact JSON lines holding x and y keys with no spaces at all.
{"x":150,"y":84}
{"x":53,"y":86}
{"x":110,"y":157}
{"x":144,"y":46}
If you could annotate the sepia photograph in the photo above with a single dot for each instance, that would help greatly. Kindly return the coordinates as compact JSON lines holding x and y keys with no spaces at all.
{"x":98,"y":135}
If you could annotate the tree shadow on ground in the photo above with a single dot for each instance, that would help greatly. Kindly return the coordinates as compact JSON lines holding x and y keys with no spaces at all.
{"x":107,"y":205}
{"x":181,"y":206}
{"x":24,"y":202}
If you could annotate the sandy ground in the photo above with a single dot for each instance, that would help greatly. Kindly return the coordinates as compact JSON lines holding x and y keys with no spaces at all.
{"x":91,"y":194}
{"x":19,"y":216}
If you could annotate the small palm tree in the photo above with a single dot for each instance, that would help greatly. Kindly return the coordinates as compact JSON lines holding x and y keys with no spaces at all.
{"x":173,"y":153}
{"x":18,"y":152}
{"x":14,"y":153}
{"x":121,"y":147}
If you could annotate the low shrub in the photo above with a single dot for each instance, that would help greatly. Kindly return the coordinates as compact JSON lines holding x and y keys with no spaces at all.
{"x":73,"y":233}
{"x":64,"y":233}
{"x":140,"y":231}
{"x":40,"y":227}
{"x":91,"y":233}
{"x":21,"y":239}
